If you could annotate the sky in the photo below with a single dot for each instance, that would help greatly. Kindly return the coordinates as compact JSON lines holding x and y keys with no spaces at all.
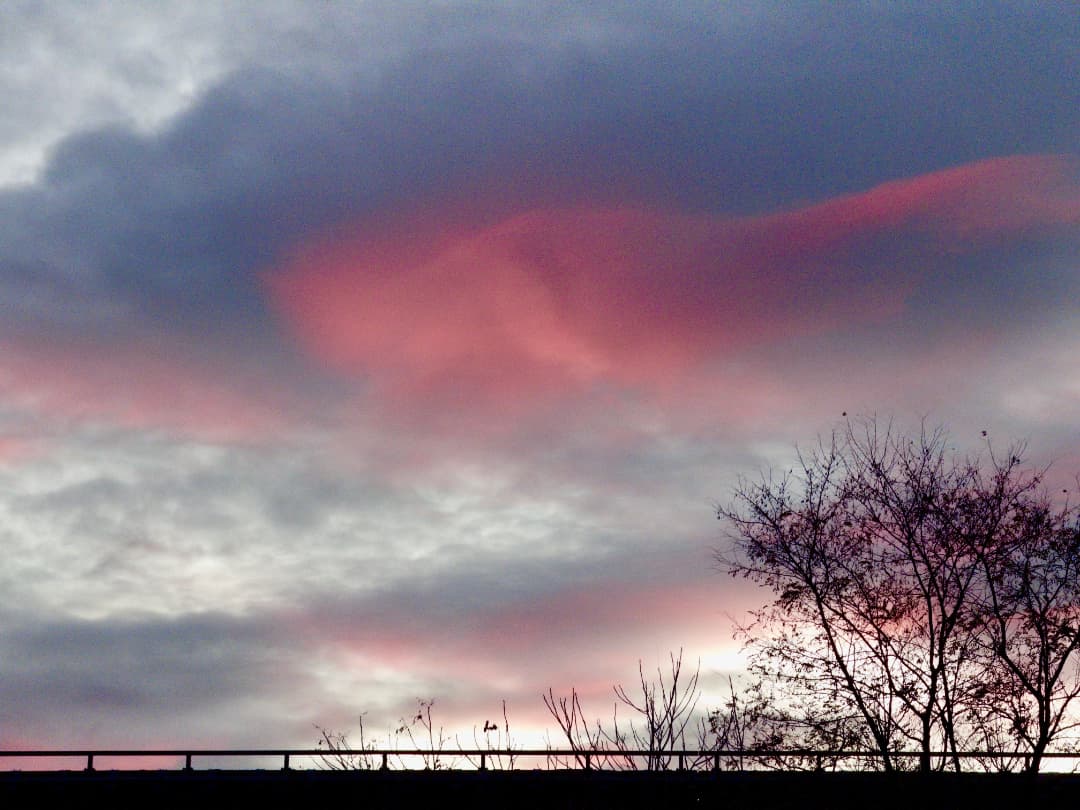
{"x":359,"y":353}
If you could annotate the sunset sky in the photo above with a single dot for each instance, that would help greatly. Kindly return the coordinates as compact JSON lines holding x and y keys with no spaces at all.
{"x":355,"y":353}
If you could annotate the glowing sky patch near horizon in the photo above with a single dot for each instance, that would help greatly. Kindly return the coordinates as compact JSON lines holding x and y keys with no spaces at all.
{"x":363,"y":353}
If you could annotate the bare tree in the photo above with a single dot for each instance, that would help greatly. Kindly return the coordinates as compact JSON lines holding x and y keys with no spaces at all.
{"x":1030,"y":611}
{"x":337,"y":745}
{"x":580,"y":734}
{"x":822,"y":640}
{"x":887,"y":554}
{"x":418,"y":731}
{"x":422,"y":733}
{"x":766,"y":729}
{"x":661,"y":713}
{"x":660,"y":717}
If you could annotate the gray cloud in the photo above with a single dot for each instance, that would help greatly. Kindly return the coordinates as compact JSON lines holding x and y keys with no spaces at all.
{"x":158,"y":590}
{"x":111,"y":523}
{"x":143,"y":680}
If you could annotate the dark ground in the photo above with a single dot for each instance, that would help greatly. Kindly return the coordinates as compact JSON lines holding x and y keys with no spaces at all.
{"x":546,"y":789}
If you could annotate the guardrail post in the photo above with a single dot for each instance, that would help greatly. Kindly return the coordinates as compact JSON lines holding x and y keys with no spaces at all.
{"x":588,"y":761}
{"x":89,"y":762}
{"x":285,"y":767}
{"x":682,"y":765}
{"x":483,"y":761}
{"x":716,"y":761}
{"x":384,"y":766}
{"x":187,"y":762}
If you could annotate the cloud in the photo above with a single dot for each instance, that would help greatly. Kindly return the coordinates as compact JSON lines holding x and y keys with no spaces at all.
{"x":144,"y":251}
{"x":13,"y":448}
{"x":347,"y":350}
{"x":154,"y":385}
{"x":143,"y":568}
{"x":111,"y":522}
{"x":652,"y":109}
{"x":139,"y":681}
{"x":589,"y":636}
{"x":553,"y":303}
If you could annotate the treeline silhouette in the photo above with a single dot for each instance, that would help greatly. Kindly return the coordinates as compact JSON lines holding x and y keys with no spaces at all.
{"x":925,"y":613}
{"x":923,"y":600}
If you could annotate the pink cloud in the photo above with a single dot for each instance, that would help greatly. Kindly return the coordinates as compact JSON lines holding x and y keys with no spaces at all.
{"x":514,"y":318}
{"x":14,"y":449}
{"x":135,"y":385}
{"x":589,"y":637}
{"x":584,"y":636}
{"x":988,"y":200}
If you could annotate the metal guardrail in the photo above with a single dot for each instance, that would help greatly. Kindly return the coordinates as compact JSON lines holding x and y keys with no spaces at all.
{"x":480,"y":757}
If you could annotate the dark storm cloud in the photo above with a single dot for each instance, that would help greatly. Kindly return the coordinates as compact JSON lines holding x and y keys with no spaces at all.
{"x":698,"y":109}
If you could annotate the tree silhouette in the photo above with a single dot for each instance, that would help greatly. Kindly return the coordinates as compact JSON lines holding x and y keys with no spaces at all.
{"x":1030,"y":610}
{"x":661,"y":719}
{"x":919,"y":594}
